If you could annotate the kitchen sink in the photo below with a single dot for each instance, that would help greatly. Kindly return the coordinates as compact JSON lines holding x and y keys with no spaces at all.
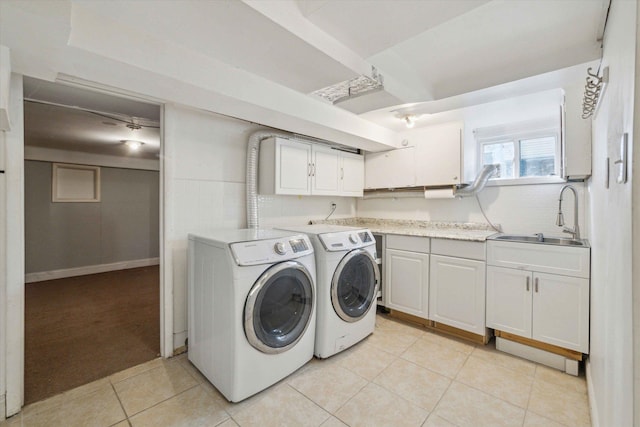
{"x":561,"y":241}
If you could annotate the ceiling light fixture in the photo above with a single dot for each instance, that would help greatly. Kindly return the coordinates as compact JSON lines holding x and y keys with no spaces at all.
{"x":133,"y":145}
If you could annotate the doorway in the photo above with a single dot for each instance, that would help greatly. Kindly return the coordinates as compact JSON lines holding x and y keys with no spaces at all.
{"x":92,"y":235}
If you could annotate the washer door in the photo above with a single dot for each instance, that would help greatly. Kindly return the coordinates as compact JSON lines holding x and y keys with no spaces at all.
{"x":355,"y":285}
{"x":278,"y":308}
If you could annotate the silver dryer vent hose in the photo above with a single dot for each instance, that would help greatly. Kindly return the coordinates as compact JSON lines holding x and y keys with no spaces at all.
{"x":480,"y":182}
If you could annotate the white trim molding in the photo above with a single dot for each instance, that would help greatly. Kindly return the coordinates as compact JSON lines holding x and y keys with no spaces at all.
{"x":593,"y":403}
{"x":89,"y":269}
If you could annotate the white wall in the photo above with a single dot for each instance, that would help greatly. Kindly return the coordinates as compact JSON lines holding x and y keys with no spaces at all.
{"x":205,"y":164}
{"x":611,"y":363}
{"x":522,"y":209}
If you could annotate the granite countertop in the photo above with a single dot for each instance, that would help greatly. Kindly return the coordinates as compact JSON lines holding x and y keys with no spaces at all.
{"x":471,"y":231}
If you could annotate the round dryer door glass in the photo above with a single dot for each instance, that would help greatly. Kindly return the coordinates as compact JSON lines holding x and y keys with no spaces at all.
{"x":279,"y":307}
{"x":354,"y":285}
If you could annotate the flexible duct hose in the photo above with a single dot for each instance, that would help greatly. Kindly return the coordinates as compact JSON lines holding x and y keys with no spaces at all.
{"x":480,"y":182}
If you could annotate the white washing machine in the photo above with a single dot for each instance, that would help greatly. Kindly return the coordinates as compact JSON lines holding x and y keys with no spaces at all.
{"x":251,"y":307}
{"x":347,"y":285}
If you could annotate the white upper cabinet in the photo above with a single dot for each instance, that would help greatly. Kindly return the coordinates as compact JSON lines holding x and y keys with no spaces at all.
{"x":438,"y":154}
{"x":300,"y":168}
{"x":351,"y":181}
{"x":433,"y":157}
{"x":325,"y":171}
{"x":390,"y":169}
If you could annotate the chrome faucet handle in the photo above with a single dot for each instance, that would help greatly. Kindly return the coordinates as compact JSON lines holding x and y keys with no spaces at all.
{"x":571,"y":231}
{"x":540,"y":237}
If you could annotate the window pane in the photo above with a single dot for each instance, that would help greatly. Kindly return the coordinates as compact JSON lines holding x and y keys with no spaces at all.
{"x":500,"y":153}
{"x":538,"y":156}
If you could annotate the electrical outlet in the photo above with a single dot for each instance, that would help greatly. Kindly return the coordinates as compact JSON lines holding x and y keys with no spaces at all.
{"x":333,"y":205}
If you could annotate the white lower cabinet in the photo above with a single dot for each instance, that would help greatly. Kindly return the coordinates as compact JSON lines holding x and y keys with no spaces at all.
{"x":407,"y":282}
{"x":457,"y":293}
{"x":549,"y":308}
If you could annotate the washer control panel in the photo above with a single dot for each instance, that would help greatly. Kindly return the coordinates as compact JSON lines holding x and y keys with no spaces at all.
{"x":346,"y":240}
{"x":271,"y":250}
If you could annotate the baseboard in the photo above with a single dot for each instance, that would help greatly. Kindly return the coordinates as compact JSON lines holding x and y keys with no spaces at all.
{"x":3,"y":408}
{"x":592,"y":396}
{"x":179,"y":339}
{"x":89,"y":269}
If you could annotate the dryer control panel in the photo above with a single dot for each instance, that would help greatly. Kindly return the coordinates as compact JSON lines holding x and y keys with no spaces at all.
{"x":346,"y":240}
{"x":269,"y":251}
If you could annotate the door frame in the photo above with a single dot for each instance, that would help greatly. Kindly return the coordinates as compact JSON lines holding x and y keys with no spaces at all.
{"x":15,"y":244}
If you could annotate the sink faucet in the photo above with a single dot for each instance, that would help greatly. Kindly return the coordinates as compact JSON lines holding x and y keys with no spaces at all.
{"x":575,"y":231}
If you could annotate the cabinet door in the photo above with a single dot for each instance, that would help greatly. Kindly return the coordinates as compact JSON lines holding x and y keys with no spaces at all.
{"x":390,"y":169}
{"x":438,"y":154}
{"x":457,"y":293}
{"x":407,"y":282}
{"x":351,"y":175}
{"x":561,"y":311}
{"x":325,"y":171}
{"x":293,"y":167}
{"x":509,"y":300}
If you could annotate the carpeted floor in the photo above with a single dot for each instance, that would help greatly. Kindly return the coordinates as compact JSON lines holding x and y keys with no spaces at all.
{"x":80,"y":329}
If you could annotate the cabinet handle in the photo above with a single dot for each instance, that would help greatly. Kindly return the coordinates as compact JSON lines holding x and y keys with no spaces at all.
{"x":528,"y":282}
{"x":313,"y":169}
{"x":536,"y":284}
{"x":309,"y":169}
{"x":341,"y":173}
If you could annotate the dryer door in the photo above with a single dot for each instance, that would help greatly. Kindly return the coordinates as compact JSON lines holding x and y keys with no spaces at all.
{"x":355,"y":285}
{"x":278,"y":308}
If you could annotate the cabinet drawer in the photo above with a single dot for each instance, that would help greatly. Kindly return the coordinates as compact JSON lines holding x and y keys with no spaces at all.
{"x":543,"y":258}
{"x":408,"y":243}
{"x":458,"y":248}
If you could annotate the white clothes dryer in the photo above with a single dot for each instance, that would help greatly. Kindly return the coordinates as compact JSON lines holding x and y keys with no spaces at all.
{"x":347,"y":285}
{"x":251,"y":300}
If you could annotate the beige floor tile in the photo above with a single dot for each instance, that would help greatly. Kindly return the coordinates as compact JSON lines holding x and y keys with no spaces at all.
{"x":228,"y":423}
{"x":283,"y":406}
{"x":559,"y":404}
{"x":333,"y":422}
{"x":436,"y":421}
{"x":532,"y":419}
{"x":488,"y":352}
{"x":192,"y":370}
{"x":465,"y":406}
{"x":67,"y":396}
{"x":375,"y":406}
{"x":144,"y":390}
{"x":395,"y":325}
{"x":414,"y":383}
{"x":392,"y":341}
{"x":194,"y":407}
{"x":99,"y":408}
{"x":367,"y":361}
{"x":500,"y":382}
{"x":122,"y":424}
{"x":328,"y":386}
{"x":435,"y":357}
{"x":136,"y":370}
{"x":554,"y":376}
{"x":448,"y":342}
{"x":15,"y":421}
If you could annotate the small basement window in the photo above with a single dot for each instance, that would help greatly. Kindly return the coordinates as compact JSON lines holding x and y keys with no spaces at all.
{"x":75,"y":183}
{"x":526,"y":151}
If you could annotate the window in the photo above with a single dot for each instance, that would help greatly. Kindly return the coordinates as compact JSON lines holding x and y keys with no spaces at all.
{"x":523,"y":150}
{"x":75,"y":183}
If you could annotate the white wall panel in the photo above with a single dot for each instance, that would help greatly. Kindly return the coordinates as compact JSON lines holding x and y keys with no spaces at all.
{"x":611,"y":356}
{"x":205,"y":168}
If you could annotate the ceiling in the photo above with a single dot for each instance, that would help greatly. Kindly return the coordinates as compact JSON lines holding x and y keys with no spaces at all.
{"x":427,"y":51}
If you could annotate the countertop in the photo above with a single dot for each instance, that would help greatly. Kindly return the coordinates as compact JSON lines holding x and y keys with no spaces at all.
{"x":470,"y":231}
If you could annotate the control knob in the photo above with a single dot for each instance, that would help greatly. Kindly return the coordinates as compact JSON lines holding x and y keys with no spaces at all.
{"x":280,"y":248}
{"x":353,"y":239}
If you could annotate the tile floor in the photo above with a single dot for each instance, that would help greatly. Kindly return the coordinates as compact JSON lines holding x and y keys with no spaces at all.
{"x":399,"y":376}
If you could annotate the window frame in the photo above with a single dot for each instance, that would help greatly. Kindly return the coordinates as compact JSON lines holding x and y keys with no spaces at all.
{"x":514,"y":133}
